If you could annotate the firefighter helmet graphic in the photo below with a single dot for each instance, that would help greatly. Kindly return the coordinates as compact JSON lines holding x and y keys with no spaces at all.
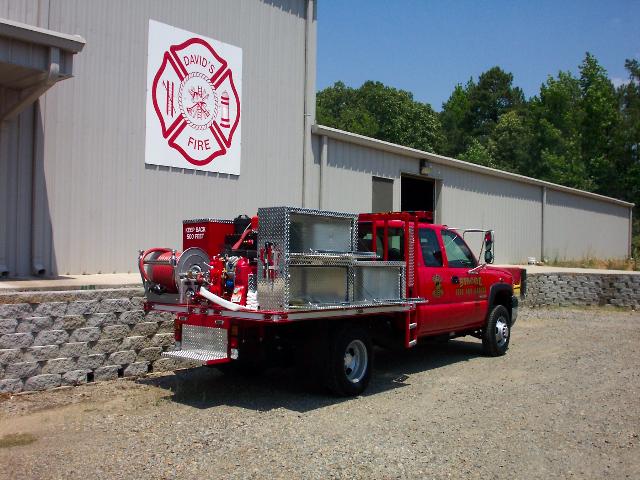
{"x":196,"y":101}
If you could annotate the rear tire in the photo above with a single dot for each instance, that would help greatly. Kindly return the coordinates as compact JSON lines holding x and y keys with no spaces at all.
{"x":349,"y":362}
{"x":497,"y":333}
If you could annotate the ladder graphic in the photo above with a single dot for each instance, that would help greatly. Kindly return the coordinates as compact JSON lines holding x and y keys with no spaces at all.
{"x":169,"y":89}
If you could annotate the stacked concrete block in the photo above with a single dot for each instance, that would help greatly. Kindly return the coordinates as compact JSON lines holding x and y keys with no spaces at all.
{"x":49,"y":339}
{"x":567,"y":289}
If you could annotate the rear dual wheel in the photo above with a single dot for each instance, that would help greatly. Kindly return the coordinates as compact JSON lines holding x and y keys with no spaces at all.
{"x":349,"y":360}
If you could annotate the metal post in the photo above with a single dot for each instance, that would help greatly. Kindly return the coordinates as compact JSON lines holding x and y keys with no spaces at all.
{"x":630,"y":232}
{"x":542,"y":209}
{"x":323,"y":164}
{"x":307,"y":94}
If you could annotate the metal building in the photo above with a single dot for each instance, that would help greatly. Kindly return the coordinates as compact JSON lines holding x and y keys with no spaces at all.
{"x":79,"y":194}
{"x":532,"y":218}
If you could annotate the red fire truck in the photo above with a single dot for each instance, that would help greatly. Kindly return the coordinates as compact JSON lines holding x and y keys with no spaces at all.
{"x":320,"y":289}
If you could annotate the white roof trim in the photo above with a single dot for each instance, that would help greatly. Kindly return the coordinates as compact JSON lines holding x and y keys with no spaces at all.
{"x":42,"y":36}
{"x":452,"y":162}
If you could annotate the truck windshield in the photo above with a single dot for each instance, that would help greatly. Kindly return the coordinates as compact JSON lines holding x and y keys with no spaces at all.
{"x":458,"y":254}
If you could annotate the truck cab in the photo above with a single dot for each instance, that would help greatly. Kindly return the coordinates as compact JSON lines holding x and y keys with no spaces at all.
{"x":461,"y":293}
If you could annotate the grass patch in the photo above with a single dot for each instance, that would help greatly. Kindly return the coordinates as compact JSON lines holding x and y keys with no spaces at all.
{"x":16,"y":440}
{"x":591,"y":262}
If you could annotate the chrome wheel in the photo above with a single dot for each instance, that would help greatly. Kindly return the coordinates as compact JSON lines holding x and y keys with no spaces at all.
{"x":502,"y":331}
{"x":355,"y":361}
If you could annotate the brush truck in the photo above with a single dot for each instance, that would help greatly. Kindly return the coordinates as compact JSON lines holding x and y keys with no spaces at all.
{"x":319,"y":289}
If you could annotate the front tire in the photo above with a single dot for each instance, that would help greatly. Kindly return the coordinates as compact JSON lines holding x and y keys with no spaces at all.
{"x":497,"y":333}
{"x":348,"y":367}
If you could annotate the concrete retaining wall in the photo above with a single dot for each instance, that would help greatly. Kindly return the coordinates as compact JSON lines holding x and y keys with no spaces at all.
{"x":564,"y":289}
{"x":49,"y":339}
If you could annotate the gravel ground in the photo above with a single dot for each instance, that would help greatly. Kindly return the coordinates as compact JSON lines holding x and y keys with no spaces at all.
{"x":562,"y":403}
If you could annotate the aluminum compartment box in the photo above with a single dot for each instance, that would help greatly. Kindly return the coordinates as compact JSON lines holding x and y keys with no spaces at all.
{"x":312,"y":286}
{"x":378,"y":281}
{"x":290,"y":241}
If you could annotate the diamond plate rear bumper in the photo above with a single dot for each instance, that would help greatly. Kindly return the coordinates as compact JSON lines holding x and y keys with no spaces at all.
{"x":198,"y":355}
{"x":204,"y":344}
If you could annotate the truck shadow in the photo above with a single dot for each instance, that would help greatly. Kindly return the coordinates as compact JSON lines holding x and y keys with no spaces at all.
{"x":291,"y":389}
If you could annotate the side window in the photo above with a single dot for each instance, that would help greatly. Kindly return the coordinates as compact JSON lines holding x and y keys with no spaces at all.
{"x":396,"y":244}
{"x":431,"y":253}
{"x":364,"y":237}
{"x":458,"y":254}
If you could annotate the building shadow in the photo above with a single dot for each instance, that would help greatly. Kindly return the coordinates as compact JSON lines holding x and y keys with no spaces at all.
{"x":295,"y":390}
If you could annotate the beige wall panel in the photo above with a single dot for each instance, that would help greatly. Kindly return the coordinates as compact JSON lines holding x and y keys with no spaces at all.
{"x":578,"y":227}
{"x":512,"y":209}
{"x":16,"y":163}
{"x":347,"y":183}
{"x":33,"y":12}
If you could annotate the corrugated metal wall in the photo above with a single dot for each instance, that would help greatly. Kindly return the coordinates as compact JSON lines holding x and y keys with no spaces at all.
{"x":475,"y":200}
{"x":346,"y":178}
{"x":104,"y":203}
{"x":25,"y":227}
{"x":16,"y":163}
{"x":512,"y":209}
{"x":577,"y":227}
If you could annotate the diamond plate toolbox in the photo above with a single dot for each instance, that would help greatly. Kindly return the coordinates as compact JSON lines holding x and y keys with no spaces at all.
{"x":305,"y":257}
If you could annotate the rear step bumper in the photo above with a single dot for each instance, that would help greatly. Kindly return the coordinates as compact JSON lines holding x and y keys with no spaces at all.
{"x":204,"y":356}
{"x":208,"y":345}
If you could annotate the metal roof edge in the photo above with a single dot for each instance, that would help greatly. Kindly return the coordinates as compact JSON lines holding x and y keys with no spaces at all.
{"x":41,"y":36}
{"x":452,"y":162}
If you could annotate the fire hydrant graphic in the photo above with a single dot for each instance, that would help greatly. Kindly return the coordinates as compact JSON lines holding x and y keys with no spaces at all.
{"x":224,"y":100}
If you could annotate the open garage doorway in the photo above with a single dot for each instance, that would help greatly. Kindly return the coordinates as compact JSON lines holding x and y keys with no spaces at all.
{"x":417,"y":194}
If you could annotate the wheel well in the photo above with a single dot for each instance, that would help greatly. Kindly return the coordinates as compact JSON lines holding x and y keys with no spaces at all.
{"x":503,"y":297}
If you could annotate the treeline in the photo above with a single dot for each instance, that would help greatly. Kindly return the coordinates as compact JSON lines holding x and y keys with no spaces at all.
{"x":579,"y":131}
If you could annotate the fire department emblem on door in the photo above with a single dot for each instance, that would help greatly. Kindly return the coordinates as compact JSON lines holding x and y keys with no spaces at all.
{"x":196,"y":101}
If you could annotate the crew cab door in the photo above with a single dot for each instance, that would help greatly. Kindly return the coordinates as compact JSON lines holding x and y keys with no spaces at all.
{"x":444,"y":283}
{"x":465,"y":286}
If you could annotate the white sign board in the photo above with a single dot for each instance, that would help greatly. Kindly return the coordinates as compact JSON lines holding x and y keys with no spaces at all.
{"x":193,"y":101}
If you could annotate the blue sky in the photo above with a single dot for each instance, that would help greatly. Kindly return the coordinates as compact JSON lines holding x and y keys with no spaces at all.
{"x":429,"y":46}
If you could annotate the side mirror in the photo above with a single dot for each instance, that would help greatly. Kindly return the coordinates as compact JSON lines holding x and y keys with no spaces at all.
{"x":488,"y":256}
{"x":488,"y":246}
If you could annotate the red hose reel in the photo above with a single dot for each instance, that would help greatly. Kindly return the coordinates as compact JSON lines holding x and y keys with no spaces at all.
{"x":166,"y":267}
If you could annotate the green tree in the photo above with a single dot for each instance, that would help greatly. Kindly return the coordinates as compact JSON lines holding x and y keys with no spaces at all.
{"x":511,"y":142}
{"x":556,"y":117}
{"x":400,"y":118}
{"x":474,"y":111}
{"x":479,"y":154}
{"x":600,"y":121}
{"x":338,"y":107}
{"x":492,"y":96}
{"x":455,"y":119}
{"x":380,"y":112}
{"x":629,"y":143}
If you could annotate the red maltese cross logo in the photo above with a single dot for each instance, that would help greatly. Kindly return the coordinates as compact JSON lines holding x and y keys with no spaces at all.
{"x":196,"y":101}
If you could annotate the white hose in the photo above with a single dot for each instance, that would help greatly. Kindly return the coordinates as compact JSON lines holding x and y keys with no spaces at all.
{"x":220,"y":301}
